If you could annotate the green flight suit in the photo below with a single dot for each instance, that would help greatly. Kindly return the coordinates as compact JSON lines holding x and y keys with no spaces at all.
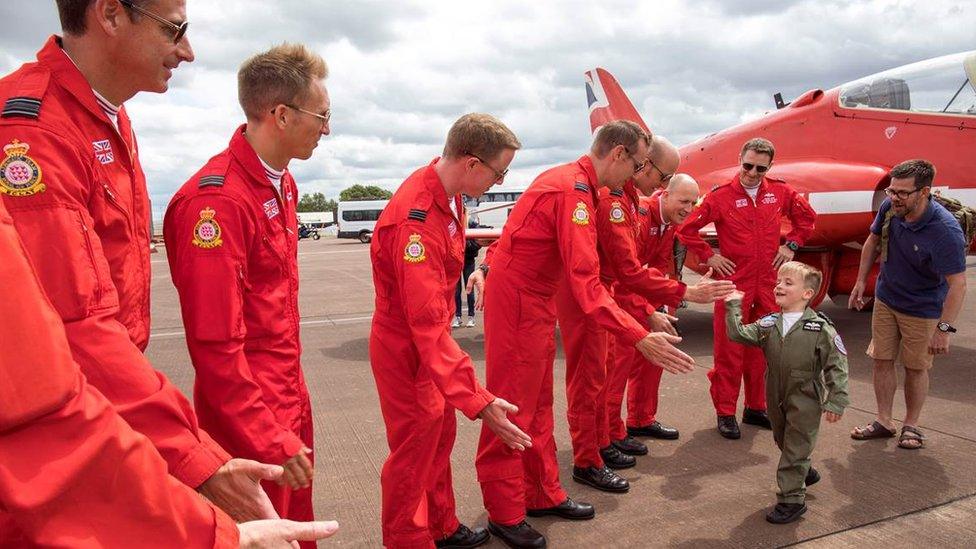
{"x":806,"y":374}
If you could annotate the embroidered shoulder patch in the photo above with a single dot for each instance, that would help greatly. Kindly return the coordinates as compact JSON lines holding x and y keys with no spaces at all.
{"x":581,"y":215}
{"x":24,"y":107}
{"x":414,"y":252}
{"x":617,"y":214}
{"x":768,"y":321}
{"x":617,"y":192}
{"x":206,"y":233}
{"x":840,"y":345}
{"x":211,"y":181}
{"x":582,"y":187}
{"x":19,"y":174}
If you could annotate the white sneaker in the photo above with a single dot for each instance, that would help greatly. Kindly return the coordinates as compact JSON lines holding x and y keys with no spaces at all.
{"x":456,"y":323}
{"x":470,"y":323}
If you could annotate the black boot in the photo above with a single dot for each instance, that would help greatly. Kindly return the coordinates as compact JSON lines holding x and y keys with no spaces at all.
{"x":601,"y":479}
{"x":654,"y":430}
{"x":813,"y":477}
{"x":728,"y":427}
{"x":614,"y":459}
{"x":786,"y":512}
{"x":630,"y":446}
{"x":568,"y":509}
{"x":759,"y":418}
{"x":518,"y":536}
{"x":463,"y":538}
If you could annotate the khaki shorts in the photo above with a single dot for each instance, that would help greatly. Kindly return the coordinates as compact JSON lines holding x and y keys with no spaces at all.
{"x":906,"y":337}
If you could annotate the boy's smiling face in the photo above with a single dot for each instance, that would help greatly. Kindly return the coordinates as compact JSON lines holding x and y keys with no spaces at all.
{"x":790,"y":292}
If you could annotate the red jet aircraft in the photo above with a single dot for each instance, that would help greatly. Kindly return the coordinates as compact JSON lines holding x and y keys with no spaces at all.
{"x":836,"y":147}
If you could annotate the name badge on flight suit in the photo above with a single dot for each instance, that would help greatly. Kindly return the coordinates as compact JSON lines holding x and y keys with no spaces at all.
{"x":414,"y":252}
{"x":812,"y":326}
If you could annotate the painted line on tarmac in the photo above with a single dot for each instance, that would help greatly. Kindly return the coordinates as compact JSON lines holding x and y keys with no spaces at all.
{"x":181,"y":334}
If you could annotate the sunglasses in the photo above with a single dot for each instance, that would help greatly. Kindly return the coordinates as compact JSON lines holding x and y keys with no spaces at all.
{"x":499,"y":175}
{"x":665,"y":177}
{"x":759,"y":168}
{"x":324,"y":118}
{"x":178,"y":30}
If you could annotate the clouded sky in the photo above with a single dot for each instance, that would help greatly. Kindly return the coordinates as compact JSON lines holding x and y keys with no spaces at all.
{"x":402,"y":71}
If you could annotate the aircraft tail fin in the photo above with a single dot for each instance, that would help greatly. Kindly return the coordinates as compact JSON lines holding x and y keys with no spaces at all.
{"x":607,"y":101}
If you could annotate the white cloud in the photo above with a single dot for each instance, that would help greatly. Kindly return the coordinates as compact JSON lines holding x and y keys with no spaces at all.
{"x":402,"y":72}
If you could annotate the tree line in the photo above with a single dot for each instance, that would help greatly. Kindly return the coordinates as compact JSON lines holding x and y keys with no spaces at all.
{"x":316,"y":202}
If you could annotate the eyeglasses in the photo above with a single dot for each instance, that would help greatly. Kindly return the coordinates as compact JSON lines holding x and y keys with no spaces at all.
{"x":665,"y":177}
{"x":759,"y":168}
{"x":324,"y":118}
{"x":902,"y":195}
{"x":499,"y":175}
{"x":178,"y":30}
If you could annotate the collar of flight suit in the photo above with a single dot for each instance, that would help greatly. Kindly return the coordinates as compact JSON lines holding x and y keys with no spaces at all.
{"x":434,"y":185}
{"x":739,"y":189}
{"x":244,"y":153}
{"x":69,"y":77}
{"x":586,"y":165}
{"x":808,"y":314}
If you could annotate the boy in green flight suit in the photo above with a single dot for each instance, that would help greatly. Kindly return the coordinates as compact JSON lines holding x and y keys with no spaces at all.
{"x":806,"y":374}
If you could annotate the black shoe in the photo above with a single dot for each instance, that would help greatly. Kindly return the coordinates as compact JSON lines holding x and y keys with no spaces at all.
{"x":464,"y":537}
{"x":654,"y":430}
{"x":786,"y":512}
{"x":630,"y":446}
{"x":568,"y":509}
{"x":813,"y":477}
{"x":728,"y":427}
{"x":615,"y":459}
{"x":759,"y":418}
{"x":601,"y":479}
{"x":518,"y":536}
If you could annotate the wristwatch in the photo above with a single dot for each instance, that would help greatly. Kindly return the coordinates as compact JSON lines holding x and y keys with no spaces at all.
{"x":946,"y":327}
{"x":484,"y":269}
{"x":792,"y":245}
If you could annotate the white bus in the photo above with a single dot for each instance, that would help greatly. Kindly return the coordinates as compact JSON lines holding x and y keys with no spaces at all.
{"x":492,"y":209}
{"x":357,"y":218}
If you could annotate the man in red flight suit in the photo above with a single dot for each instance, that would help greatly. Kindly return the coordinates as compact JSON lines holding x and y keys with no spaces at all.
{"x":586,"y":343}
{"x":747,"y":213}
{"x":72,"y":182}
{"x":421,"y":374}
{"x":232,"y":249}
{"x":662,"y":212}
{"x":51,"y":420}
{"x":550,"y":235}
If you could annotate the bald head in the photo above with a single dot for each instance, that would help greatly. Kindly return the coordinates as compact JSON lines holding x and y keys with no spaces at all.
{"x":664,"y":159}
{"x":679,"y":198}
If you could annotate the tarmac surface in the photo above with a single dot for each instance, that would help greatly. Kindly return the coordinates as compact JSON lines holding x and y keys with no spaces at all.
{"x":699,"y":491}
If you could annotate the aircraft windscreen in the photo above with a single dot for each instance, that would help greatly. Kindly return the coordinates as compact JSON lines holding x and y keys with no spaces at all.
{"x":941,"y":85}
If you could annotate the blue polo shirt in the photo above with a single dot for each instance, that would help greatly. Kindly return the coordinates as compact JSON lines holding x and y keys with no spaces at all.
{"x":920,"y":256}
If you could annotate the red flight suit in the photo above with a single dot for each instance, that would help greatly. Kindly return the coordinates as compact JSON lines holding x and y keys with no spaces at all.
{"x":72,"y":472}
{"x":585,"y":341}
{"x":631,"y":371}
{"x":74,"y":187}
{"x":421,"y":374}
{"x":749,"y":235}
{"x":232,"y":250}
{"x":550,"y":236}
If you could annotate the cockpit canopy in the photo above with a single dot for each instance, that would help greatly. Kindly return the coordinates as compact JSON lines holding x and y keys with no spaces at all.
{"x":942,"y":85}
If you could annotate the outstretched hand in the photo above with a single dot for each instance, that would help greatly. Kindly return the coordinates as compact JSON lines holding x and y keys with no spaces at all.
{"x":236,"y":489}
{"x":495,"y":416}
{"x":708,"y":290}
{"x":658,"y":348}
{"x":274,"y":534}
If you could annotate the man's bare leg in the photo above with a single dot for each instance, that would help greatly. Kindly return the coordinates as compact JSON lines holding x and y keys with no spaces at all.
{"x":885,"y":383}
{"x":916,"y":389}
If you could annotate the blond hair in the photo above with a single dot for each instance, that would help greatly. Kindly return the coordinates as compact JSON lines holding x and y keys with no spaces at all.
{"x":812,"y":277}
{"x":619,"y":132}
{"x":480,"y":135}
{"x":278,"y":76}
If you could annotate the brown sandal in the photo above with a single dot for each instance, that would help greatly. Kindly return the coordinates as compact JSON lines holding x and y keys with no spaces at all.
{"x":868,"y":432}
{"x":911,"y":438}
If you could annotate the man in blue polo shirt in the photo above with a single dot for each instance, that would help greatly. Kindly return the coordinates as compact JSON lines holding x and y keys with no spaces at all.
{"x":919,"y":294}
